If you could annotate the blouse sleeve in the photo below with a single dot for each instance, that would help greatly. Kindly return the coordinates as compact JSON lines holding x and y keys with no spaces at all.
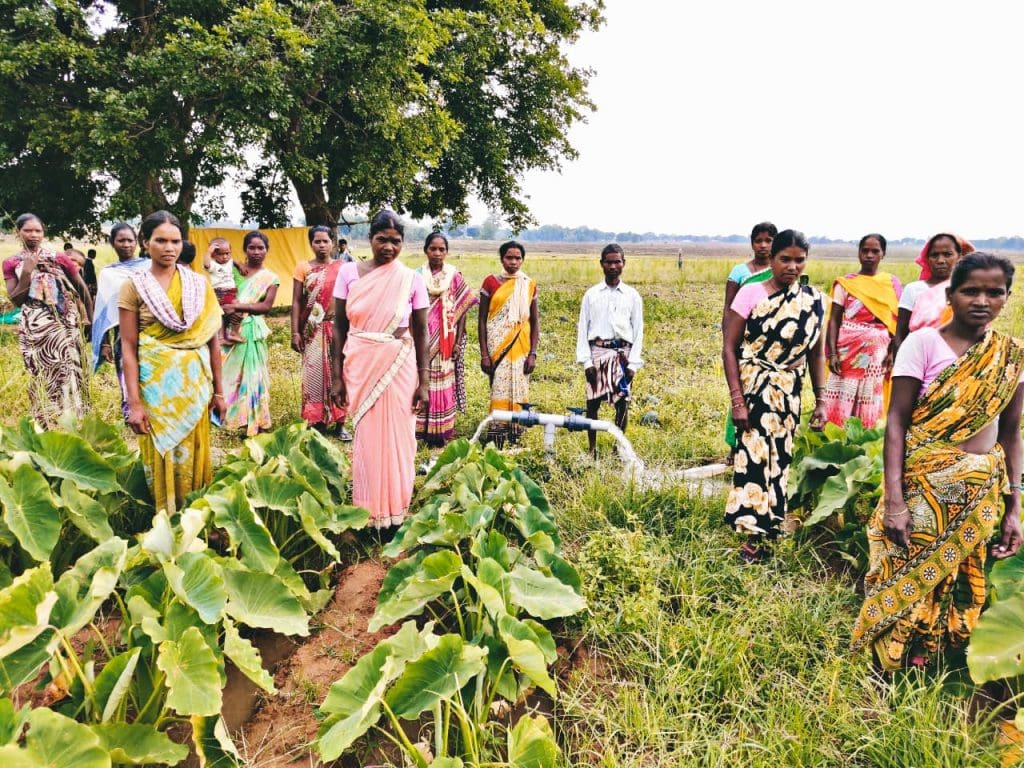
{"x":344,"y":281}
{"x":912,"y":357}
{"x":839,"y":295}
{"x":301,"y":270}
{"x":748,"y":297}
{"x":128,"y":297}
{"x":739,"y":273}
{"x":10,"y":265}
{"x":418,"y":298}
{"x":490,"y":286}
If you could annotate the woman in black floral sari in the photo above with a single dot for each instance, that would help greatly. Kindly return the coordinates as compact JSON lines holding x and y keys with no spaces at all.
{"x":772,"y":335}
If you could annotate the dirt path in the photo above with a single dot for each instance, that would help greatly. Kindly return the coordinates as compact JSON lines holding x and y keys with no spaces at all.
{"x":279,"y":735}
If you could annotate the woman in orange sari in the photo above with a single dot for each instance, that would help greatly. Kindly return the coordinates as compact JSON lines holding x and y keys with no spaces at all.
{"x":381,"y":369}
{"x":313,"y":328}
{"x":859,"y":338}
{"x":509,"y":331}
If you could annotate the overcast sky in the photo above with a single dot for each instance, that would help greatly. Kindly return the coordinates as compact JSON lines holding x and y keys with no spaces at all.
{"x":836,"y":118}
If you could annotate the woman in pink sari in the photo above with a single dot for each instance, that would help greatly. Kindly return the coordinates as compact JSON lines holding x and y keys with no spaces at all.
{"x":923,"y":303}
{"x":381,"y":369}
{"x":313,"y":328}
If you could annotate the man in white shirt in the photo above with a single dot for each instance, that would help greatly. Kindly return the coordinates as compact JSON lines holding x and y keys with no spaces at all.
{"x":609,"y":339}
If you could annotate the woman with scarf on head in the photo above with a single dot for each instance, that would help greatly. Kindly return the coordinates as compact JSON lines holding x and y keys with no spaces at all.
{"x":51,"y":293}
{"x":858,"y":340}
{"x":450,"y":300}
{"x":923,"y":302}
{"x":509,"y":331}
{"x":313,"y":329}
{"x":247,"y":362}
{"x":106,"y":338}
{"x":952,"y":459}
{"x":169,"y":319}
{"x":772,"y":338}
{"x":381,"y":369}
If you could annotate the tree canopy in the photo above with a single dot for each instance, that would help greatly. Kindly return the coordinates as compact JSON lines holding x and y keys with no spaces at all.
{"x":116,"y":109}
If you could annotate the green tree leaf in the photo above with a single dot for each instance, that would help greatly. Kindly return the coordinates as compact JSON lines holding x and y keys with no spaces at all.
{"x":192,"y":673}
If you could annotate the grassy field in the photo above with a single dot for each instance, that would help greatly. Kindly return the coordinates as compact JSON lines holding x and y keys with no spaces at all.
{"x":687,"y":657}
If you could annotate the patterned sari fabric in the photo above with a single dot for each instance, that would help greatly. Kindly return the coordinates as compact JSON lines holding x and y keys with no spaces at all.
{"x":380,"y":379}
{"x":931,"y":310}
{"x":50,"y":339}
{"x":176,"y":386}
{"x":316,"y":319}
{"x":730,"y":429}
{"x":780,"y":333}
{"x":508,"y":344}
{"x":450,"y":300}
{"x":246,"y":369}
{"x":869,"y":320}
{"x":920,"y":599}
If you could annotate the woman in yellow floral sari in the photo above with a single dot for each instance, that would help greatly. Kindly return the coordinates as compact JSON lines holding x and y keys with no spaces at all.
{"x":952,"y":461}
{"x":772,"y":336}
{"x":509,"y":331}
{"x":169,"y":318}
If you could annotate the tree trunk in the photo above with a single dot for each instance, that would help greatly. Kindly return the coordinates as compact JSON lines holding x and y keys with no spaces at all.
{"x":314,"y":202}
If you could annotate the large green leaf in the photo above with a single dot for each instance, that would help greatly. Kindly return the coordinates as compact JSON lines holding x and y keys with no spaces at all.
{"x":491,"y":595}
{"x":248,"y":534}
{"x":531,"y":744}
{"x":354,"y":702}
{"x":434,"y":676}
{"x":537,"y":527}
{"x":68,"y":456}
{"x":197,"y":580}
{"x":308,"y":474}
{"x":273,"y":492}
{"x":840,"y":491}
{"x":524,"y":648}
{"x":30,"y":511}
{"x":543,"y":596}
{"x":1007,"y":576}
{"x":246,"y":657}
{"x":138,"y":744}
{"x":25,"y":608}
{"x":553,"y":565}
{"x":24,"y":664}
{"x":332,"y":462}
{"x":192,"y":674}
{"x":309,"y":516}
{"x":214,"y":747}
{"x":262,"y":600}
{"x":55,"y":741}
{"x":89,"y":584}
{"x":434,"y":576}
{"x":112,"y":683}
{"x":85,"y":513}
{"x":494,"y":545}
{"x":996,"y":649}
{"x":11,"y":721}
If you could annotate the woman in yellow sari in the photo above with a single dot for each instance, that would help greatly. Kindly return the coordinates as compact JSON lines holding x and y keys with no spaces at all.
{"x":509,"y":331}
{"x":859,"y":338}
{"x":169,"y":318}
{"x":952,"y":464}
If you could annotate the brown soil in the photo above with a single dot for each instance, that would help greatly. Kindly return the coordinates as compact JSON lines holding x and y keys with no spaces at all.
{"x":281,"y":733}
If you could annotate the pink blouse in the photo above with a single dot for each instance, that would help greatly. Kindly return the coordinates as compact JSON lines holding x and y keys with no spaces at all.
{"x":418,"y":298}
{"x":923,"y":355}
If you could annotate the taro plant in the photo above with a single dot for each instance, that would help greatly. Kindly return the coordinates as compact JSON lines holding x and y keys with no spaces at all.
{"x":61,"y":493}
{"x":836,"y":478}
{"x":483,"y":567}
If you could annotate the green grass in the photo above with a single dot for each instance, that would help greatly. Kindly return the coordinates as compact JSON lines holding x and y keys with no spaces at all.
{"x":719,"y":664}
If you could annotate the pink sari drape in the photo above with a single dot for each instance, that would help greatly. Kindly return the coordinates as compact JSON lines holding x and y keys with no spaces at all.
{"x":381,"y":378}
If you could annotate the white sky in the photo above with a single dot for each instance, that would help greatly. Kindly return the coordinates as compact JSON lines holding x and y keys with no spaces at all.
{"x":835,"y":118}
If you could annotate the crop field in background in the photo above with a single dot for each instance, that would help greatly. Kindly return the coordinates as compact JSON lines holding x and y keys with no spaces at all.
{"x":686,"y":657}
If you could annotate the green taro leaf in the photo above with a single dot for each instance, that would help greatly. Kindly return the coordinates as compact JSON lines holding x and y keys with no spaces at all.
{"x":112,"y":683}
{"x":491,"y":590}
{"x":524,"y":648}
{"x":543,"y":596}
{"x":68,"y":456}
{"x":537,"y":528}
{"x":996,"y":649}
{"x":55,"y":741}
{"x":434,"y":676}
{"x":197,"y":580}
{"x":532,"y":745}
{"x":555,"y":566}
{"x":840,"y":491}
{"x":447,"y":762}
{"x":11,"y":721}
{"x":308,"y":474}
{"x":494,"y":545}
{"x":432,"y":577}
{"x":83,"y":589}
{"x":246,"y":657}
{"x":331,"y":461}
{"x":30,"y":511}
{"x":85,"y":513}
{"x":1007,"y":576}
{"x":262,"y":600}
{"x":192,"y":673}
{"x":248,"y":534}
{"x":534,"y":493}
{"x":138,"y":744}
{"x":24,"y":664}
{"x":214,"y":747}
{"x":25,"y":608}
{"x":274,"y":492}
{"x":354,"y":702}
{"x":309,"y":512}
